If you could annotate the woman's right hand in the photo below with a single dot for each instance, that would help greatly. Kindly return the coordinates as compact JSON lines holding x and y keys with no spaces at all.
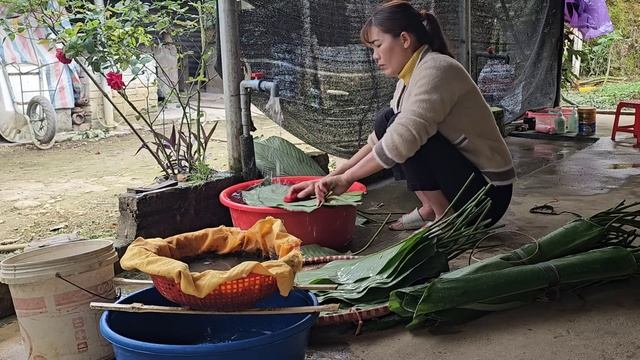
{"x":302,"y":190}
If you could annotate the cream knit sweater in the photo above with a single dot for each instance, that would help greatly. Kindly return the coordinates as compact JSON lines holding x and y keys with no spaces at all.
{"x":442,"y":97}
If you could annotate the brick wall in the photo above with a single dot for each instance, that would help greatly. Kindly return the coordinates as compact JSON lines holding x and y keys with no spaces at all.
{"x":142,"y":92}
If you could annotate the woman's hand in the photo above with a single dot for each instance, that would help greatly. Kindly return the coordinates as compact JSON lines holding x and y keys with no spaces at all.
{"x":336,"y":185}
{"x":301,"y":191}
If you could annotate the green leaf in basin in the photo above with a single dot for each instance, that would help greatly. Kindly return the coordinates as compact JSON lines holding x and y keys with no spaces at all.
{"x":272,"y":195}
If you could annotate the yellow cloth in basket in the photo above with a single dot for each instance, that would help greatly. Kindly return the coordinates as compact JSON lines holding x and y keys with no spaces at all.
{"x":268,"y":236}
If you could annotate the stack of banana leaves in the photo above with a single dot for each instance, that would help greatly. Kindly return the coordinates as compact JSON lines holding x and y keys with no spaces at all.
{"x":584,"y":252}
{"x":368,"y":280}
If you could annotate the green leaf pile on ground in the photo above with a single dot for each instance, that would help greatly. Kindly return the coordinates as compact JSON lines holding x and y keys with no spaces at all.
{"x":606,"y":96}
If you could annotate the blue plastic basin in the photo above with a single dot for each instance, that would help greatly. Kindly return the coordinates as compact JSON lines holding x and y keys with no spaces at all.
{"x":147,"y":336}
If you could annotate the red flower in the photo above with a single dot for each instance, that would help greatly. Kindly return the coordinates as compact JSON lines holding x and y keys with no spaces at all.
{"x":62,"y":58}
{"x":114,"y":80}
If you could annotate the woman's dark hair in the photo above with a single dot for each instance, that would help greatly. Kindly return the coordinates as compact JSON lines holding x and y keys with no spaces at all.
{"x":397,"y":16}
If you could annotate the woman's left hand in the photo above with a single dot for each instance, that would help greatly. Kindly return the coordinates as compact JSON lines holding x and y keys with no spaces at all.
{"x":336,"y":185}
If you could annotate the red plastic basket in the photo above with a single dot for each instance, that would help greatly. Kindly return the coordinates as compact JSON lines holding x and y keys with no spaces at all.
{"x":233,"y":295}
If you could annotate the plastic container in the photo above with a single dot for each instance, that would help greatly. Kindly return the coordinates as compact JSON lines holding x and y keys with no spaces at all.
{"x":585,"y":129}
{"x":331,"y":227}
{"x":560,"y":123}
{"x":233,"y":295}
{"x":587,"y":114}
{"x":54,"y":316}
{"x":572,"y":122}
{"x":543,"y":118}
{"x":149,"y":336}
{"x":587,"y":121}
{"x":566,"y":111}
{"x":550,"y":112}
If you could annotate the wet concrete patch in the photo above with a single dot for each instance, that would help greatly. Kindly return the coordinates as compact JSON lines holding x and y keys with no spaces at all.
{"x":531,"y":155}
{"x":591,"y":171}
{"x":545,"y":169}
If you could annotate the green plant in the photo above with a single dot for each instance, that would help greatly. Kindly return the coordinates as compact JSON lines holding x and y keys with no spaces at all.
{"x":625,"y":16}
{"x":200,"y":173}
{"x":606,"y":96}
{"x":597,"y":54}
{"x":615,"y":54}
{"x":106,"y":42}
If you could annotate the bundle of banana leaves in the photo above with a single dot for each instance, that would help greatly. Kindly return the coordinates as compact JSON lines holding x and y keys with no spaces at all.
{"x":580,"y":253}
{"x":424,"y":255}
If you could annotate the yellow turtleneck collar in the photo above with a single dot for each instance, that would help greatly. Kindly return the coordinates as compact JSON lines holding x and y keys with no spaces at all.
{"x":407,"y":70}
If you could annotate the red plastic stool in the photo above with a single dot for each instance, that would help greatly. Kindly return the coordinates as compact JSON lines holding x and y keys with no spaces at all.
{"x":633,"y":129}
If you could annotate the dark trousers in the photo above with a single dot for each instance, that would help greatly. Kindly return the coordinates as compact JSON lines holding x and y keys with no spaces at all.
{"x":439,"y":165}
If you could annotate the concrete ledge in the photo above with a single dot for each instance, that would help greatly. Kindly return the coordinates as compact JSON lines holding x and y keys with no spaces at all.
{"x":170,"y":211}
{"x":63,"y":120}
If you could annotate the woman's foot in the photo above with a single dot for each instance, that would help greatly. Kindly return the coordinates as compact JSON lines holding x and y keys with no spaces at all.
{"x":417,"y":219}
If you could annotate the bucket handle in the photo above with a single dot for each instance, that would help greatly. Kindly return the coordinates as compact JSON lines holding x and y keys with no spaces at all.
{"x":117,"y":297}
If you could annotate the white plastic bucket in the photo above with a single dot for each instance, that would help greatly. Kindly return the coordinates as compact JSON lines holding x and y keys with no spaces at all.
{"x":54,"y":316}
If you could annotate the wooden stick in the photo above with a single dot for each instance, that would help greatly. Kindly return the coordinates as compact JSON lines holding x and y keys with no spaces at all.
{"x":9,"y":241}
{"x":316,"y":287}
{"x":9,"y":248}
{"x":133,"y":282}
{"x":141,"y":308}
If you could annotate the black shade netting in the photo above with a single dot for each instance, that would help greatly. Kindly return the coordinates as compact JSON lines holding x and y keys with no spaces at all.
{"x":331,"y":87}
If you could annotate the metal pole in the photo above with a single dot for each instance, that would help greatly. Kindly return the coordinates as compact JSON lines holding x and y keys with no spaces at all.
{"x":106,"y":105}
{"x":463,"y":55}
{"x":231,"y":77}
{"x":468,"y":24}
{"x":558,"y":98}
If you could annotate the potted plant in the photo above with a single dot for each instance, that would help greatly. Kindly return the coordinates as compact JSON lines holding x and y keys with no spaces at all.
{"x":116,"y":44}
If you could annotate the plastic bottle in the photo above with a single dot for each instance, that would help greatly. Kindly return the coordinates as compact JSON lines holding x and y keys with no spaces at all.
{"x":572,"y":126}
{"x":560,"y":123}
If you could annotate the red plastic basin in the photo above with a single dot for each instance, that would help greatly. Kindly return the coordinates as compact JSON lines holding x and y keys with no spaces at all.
{"x":329,"y":226}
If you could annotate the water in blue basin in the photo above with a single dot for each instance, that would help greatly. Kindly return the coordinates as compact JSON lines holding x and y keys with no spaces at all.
{"x":147,"y":336}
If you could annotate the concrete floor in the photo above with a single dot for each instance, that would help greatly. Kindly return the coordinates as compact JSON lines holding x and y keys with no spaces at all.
{"x":599,"y":323}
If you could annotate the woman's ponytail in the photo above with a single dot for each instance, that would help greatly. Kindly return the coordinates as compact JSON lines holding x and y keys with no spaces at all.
{"x":397,"y":16}
{"x":435,"y":37}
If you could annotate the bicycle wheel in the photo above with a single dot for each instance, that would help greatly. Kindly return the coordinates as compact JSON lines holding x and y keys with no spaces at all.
{"x":42,"y":119}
